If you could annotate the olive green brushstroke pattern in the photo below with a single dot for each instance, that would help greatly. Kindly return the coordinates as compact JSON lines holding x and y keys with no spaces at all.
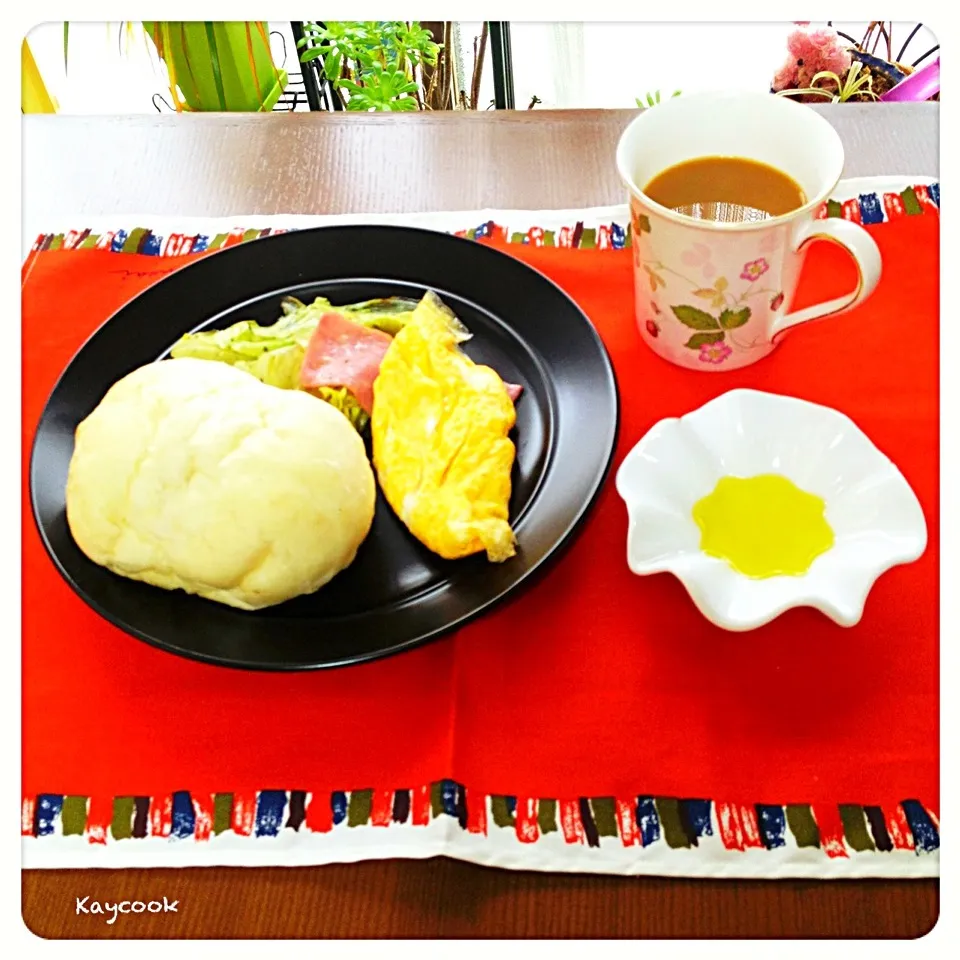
{"x":855,"y":827}
{"x":436,"y":800}
{"x":910,"y":202}
{"x":132,"y":243}
{"x":73,"y":816}
{"x":802,"y":825}
{"x":605,"y":816}
{"x":121,"y":825}
{"x":359,"y":807}
{"x":222,"y":812}
{"x":547,"y":816}
{"x":668,"y":809}
{"x":501,"y":814}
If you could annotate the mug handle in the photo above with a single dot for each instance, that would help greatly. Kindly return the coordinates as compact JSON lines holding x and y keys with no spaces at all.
{"x":866,"y":254}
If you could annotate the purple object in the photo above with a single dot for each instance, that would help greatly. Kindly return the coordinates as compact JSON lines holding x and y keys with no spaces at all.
{"x":922,"y":85}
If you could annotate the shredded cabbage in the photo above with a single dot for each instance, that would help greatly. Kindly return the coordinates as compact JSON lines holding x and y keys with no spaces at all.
{"x":274,"y":354}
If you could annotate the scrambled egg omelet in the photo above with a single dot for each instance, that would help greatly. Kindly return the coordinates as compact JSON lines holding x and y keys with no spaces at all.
{"x":441,"y":449}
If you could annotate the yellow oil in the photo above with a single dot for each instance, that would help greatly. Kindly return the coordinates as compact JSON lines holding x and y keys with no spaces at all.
{"x":763,"y":526}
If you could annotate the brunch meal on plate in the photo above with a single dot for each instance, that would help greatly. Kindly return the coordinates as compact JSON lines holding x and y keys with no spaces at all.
{"x":237,"y":469}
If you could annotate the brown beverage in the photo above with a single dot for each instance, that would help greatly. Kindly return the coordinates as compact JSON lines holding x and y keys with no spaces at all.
{"x":728,"y":189}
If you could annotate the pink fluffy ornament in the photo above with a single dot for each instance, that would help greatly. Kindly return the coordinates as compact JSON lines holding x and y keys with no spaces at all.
{"x":811,"y":50}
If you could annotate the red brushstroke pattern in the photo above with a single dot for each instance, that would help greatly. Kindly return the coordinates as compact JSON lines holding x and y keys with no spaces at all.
{"x":565,"y":237}
{"x":570,"y":822}
{"x":535,"y":236}
{"x":526,"y":820}
{"x":420,"y":806}
{"x":319,"y":813}
{"x":899,"y":829}
{"x":923,"y":195}
{"x":821,"y":213}
{"x":381,"y":808}
{"x":739,"y":829}
{"x":476,"y":812}
{"x":627,"y":823}
{"x":851,"y":210}
{"x":106,"y":240}
{"x":27,"y":811}
{"x":830,"y":826}
{"x":202,"y":815}
{"x":233,"y":238}
{"x":161,"y":815}
{"x":893,"y":205}
{"x":174,"y":245}
{"x":99,"y":815}
{"x":244,"y":810}
{"x":604,"y":237}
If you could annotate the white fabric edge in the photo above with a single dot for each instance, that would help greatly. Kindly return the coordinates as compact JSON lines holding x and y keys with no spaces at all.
{"x":447,"y":220}
{"x":444,"y":838}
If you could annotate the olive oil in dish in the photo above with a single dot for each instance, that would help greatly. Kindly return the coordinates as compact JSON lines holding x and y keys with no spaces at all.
{"x":763,"y":526}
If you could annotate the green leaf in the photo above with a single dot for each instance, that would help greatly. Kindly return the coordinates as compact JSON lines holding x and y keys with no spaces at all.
{"x":699,"y":340}
{"x":694,"y":318}
{"x":731,"y":319}
{"x":311,"y":54}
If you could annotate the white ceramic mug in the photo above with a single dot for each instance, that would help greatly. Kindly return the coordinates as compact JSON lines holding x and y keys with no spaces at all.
{"x":712,"y":295}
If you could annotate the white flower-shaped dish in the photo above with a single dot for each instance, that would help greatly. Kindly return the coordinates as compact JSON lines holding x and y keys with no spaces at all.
{"x":875,"y":516}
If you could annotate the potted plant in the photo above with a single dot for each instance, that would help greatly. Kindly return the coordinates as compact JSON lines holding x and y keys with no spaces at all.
{"x":821,"y":66}
{"x":393,"y":65}
{"x":214,"y":66}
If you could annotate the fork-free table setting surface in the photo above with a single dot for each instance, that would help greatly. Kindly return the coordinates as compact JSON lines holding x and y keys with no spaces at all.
{"x":548,"y":149}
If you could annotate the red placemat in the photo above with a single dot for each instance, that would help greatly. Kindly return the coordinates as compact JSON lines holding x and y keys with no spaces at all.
{"x":592,"y":683}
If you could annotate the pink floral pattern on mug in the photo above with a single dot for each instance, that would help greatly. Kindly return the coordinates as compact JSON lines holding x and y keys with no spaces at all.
{"x":754,"y":269}
{"x":653,"y":329}
{"x":776,"y":303}
{"x":714,"y":352}
{"x":698,"y":256}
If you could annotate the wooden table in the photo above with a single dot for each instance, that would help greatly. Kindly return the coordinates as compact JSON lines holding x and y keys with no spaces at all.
{"x":76,"y":167}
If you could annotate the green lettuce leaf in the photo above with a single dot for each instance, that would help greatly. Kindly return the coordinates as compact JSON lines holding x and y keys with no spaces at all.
{"x":274,"y":354}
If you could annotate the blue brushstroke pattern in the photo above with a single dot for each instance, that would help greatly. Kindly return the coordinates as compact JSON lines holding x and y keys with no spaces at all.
{"x":448,"y":797}
{"x":773,"y":824}
{"x":934,"y":191}
{"x":697,"y":814}
{"x":152,"y":245}
{"x":618,"y":236}
{"x":269,"y":816}
{"x":482,"y":231}
{"x":119,"y":239}
{"x":925,"y":835}
{"x":871,"y":208}
{"x":183,"y":820}
{"x":48,"y":809}
{"x":511,"y":805}
{"x":647,"y":820}
{"x":338,"y":801}
{"x":200,"y":243}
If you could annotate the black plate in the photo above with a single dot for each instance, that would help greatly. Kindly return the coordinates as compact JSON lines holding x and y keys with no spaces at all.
{"x":396,"y":594}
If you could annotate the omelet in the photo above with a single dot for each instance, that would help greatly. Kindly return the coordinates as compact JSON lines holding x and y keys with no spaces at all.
{"x":441,"y":449}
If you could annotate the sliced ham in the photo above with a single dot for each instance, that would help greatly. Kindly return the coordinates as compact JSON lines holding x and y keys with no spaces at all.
{"x":342,"y":353}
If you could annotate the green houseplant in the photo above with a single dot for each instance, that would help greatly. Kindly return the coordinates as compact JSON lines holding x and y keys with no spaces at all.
{"x":394,"y":65}
{"x":213,"y":65}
